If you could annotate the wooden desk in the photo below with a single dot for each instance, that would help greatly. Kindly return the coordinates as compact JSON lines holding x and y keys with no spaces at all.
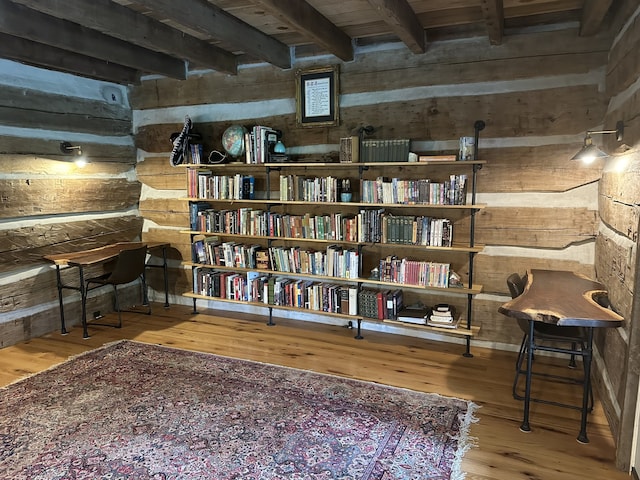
{"x":84,"y":258}
{"x":564,"y":299}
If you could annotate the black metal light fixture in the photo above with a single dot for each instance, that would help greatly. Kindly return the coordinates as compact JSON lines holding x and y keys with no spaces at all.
{"x":75,"y":150}
{"x":590,"y":152}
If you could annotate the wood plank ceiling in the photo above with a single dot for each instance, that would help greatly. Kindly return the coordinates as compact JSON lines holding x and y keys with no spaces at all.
{"x":121,"y":40}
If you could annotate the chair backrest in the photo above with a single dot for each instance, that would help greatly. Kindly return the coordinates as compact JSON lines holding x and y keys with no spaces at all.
{"x":516,"y":285}
{"x":130,"y":264}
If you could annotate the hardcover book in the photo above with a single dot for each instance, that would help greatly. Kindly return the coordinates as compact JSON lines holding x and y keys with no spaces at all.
{"x":416,"y":314}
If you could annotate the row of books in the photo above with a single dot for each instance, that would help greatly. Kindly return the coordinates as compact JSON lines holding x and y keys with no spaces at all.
{"x":412,"y":230}
{"x":384,"y":150}
{"x":335,"y":261}
{"x":316,"y":189}
{"x":414,"y":272}
{"x":204,"y":184}
{"x":368,"y":225}
{"x":278,"y":291}
{"x":210,"y":250}
{"x":318,"y":296}
{"x":259,"y":142}
{"x":408,"y":192}
{"x":257,"y":222}
{"x":380,"y":304}
{"x":196,"y":153}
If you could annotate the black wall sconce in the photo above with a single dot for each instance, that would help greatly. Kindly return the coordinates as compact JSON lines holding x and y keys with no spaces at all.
{"x":589,"y":152}
{"x":75,"y":150}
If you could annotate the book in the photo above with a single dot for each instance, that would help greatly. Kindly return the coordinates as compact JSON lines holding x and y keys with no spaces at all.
{"x":394,"y":304}
{"x":262,"y":260}
{"x":353,"y":300}
{"x":199,"y":254}
{"x":443,"y":310}
{"x":349,"y":150}
{"x":414,"y":314}
{"x":436,"y":323}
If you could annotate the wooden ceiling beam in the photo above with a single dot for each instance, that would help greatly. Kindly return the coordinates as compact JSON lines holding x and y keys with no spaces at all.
{"x":399,"y":15}
{"x":309,"y":22}
{"x":24,"y":22}
{"x":493,"y":12}
{"x":44,"y":56}
{"x":125,"y":24}
{"x":207,"y":19}
{"x":593,"y":13}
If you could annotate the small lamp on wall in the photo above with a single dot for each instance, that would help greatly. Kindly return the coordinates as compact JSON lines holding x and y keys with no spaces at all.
{"x":589,"y":152}
{"x":76,"y":150}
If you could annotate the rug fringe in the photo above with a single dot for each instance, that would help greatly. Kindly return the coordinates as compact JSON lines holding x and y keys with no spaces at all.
{"x":465,"y":440}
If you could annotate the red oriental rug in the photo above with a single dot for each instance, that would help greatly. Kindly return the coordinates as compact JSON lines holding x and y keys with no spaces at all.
{"x":137,"y":411}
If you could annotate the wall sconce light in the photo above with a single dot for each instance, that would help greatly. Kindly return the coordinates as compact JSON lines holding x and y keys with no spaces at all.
{"x":589,"y":152}
{"x":75,"y":150}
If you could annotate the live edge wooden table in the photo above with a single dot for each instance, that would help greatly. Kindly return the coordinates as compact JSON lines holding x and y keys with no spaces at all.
{"x":565,"y":299}
{"x":84,"y":258}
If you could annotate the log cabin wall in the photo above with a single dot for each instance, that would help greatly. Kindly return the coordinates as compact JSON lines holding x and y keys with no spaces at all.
{"x":49,"y":205}
{"x":537,"y":93}
{"x":617,"y":240}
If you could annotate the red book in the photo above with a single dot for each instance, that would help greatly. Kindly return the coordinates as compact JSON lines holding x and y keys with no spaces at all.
{"x":381,"y":297}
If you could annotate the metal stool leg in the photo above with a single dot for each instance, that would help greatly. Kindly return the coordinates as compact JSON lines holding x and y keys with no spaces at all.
{"x":527,"y":396}
{"x":586,"y":358}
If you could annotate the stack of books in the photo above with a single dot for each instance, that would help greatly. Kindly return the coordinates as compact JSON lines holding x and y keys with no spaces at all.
{"x":442,"y":315}
{"x":416,"y":314}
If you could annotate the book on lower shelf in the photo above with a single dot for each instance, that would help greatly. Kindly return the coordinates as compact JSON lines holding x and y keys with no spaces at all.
{"x":453,"y":323}
{"x":416,"y":314}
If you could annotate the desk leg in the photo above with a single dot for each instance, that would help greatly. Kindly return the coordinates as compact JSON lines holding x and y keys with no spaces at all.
{"x":586,"y":358}
{"x":527,"y":393}
{"x":63,"y":328}
{"x":165,"y":269}
{"x":83,"y":296}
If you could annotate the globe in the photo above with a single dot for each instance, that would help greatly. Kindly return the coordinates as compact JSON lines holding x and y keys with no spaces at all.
{"x":233,"y":140}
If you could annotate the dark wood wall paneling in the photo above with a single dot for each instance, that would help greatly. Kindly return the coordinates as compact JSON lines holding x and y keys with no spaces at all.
{"x":617,"y":247}
{"x":531,"y":108}
{"x":39,"y":187}
{"x":28,"y":108}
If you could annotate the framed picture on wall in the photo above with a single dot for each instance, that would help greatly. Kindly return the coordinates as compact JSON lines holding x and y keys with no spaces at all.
{"x":317,"y":97}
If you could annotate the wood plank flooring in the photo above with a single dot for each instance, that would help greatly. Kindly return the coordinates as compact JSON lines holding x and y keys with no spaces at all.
{"x":550,"y":451}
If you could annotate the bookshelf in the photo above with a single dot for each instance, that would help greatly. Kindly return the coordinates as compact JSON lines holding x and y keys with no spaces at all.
{"x":276,"y":235}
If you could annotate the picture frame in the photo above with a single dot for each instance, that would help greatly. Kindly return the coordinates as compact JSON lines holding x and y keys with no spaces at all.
{"x":317,"y":96}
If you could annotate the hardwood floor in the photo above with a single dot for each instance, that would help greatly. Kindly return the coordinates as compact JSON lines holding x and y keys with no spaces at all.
{"x":550,"y":451}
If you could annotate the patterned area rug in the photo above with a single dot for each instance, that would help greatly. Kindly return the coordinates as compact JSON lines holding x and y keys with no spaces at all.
{"x":138,"y":411}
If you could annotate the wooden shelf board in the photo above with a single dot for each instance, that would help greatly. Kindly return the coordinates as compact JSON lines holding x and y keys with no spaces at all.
{"x":434,"y":206}
{"x":279,"y":307}
{"x":235,"y":165}
{"x":475,"y":249}
{"x":460,"y":331}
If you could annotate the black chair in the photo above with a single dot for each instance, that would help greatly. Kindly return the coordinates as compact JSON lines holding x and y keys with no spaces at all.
{"x":128,"y":267}
{"x":544,"y":333}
